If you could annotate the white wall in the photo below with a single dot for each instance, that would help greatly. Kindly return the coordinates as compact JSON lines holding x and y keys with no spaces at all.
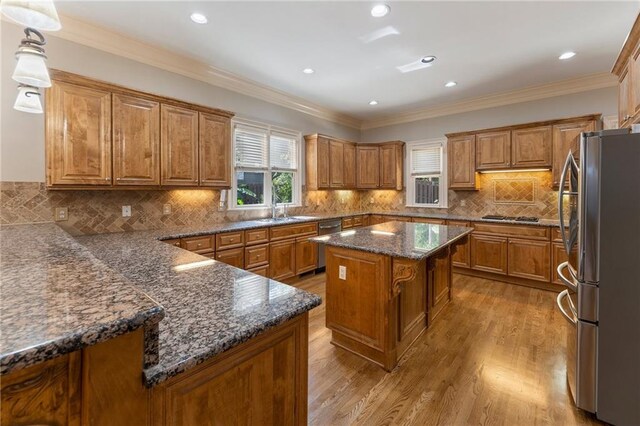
{"x":603,"y":101}
{"x":22,"y":134}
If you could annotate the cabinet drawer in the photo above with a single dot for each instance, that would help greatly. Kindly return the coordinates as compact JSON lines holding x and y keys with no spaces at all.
{"x":290,"y":231}
{"x":529,"y":259}
{"x":489,"y":253}
{"x":428,"y":220}
{"x":200,"y":244}
{"x":347,"y":223}
{"x":458,"y":223}
{"x":256,"y":256}
{"x":230,"y":240}
{"x":555,"y":234}
{"x":256,"y":236}
{"x":397,"y":219}
{"x":233,"y":257}
{"x":533,"y":232}
{"x":174,"y":242}
{"x":358,"y":221}
{"x":559,"y":255}
{"x":260,"y":270}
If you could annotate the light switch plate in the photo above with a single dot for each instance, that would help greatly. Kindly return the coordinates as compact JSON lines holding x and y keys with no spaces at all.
{"x":166,"y":209}
{"x":126,"y":211}
{"x":62,"y":214}
{"x":342,"y":272}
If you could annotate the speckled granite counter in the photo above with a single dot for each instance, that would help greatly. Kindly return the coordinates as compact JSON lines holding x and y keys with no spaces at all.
{"x":58,"y":298}
{"x":210,"y":306}
{"x":397,"y":239}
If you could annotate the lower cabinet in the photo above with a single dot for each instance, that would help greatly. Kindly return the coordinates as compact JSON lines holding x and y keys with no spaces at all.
{"x":282,"y":263}
{"x":439,"y":283}
{"x":428,"y":220}
{"x":559,"y":255}
{"x":489,"y":253}
{"x":255,"y":256}
{"x":462,"y":254}
{"x":260,"y":270}
{"x":306,"y":255}
{"x":529,"y":259}
{"x":233,"y":257}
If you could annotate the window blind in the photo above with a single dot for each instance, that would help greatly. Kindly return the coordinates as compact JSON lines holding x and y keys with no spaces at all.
{"x":426,"y":160}
{"x":283,"y":152}
{"x":251,"y":147}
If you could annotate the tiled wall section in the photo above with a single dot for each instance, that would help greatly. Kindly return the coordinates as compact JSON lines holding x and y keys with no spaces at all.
{"x":512,"y":194}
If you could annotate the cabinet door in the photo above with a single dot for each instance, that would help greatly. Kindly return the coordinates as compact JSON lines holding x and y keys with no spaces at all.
{"x":336,"y":164}
{"x":559,"y":255}
{"x":428,"y":220}
{"x":461,"y":256}
{"x":349,"y":165}
{"x":282,"y":259}
{"x":255,"y":256}
{"x":322,"y":164}
{"x":529,"y":259}
{"x":624,"y":96}
{"x":368,"y":167}
{"x":78,"y":136}
{"x":489,"y":253}
{"x":215,"y":151}
{"x":531,"y":147}
{"x":179,"y":141}
{"x":634,"y":93}
{"x":233,"y":257}
{"x":136,"y":141}
{"x":391,"y":166}
{"x":462,"y":162}
{"x":439,"y":283}
{"x":306,"y":255}
{"x":566,"y":138}
{"x":493,"y":150}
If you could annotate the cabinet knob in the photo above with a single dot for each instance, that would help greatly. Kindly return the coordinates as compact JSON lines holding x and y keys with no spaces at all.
{"x":199,"y":244}
{"x":626,"y":117}
{"x":107,"y":178}
{"x":118,"y":178}
{"x":176,"y":244}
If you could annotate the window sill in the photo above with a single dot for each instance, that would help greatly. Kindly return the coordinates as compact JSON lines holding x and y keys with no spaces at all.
{"x":427,"y":206}
{"x":239,"y":208}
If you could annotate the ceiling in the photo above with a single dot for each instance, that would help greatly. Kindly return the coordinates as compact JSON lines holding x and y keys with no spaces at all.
{"x":487,"y":47}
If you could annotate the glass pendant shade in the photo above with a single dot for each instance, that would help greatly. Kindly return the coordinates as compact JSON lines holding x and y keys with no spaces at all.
{"x":38,"y":14}
{"x":31,"y":69}
{"x":28,"y":100}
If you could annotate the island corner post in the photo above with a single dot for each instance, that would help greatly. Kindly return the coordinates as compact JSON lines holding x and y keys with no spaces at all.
{"x":383,"y":303}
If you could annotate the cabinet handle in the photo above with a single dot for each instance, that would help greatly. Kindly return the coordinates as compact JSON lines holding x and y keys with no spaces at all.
{"x":199,"y":244}
{"x":118,"y":178}
{"x":626,"y":117}
{"x":176,"y":244}
{"x":107,"y":178}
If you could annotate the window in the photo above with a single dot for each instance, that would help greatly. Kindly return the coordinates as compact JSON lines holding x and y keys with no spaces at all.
{"x":426,"y":174}
{"x":265,"y":167}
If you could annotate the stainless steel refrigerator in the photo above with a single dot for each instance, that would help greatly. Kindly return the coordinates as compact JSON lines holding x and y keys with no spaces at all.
{"x":602,"y":300}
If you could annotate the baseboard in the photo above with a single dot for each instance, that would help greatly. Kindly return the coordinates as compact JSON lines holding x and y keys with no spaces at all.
{"x":556,"y":288}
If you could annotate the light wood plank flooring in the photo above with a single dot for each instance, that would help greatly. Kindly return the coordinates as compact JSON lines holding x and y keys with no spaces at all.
{"x":494,"y":356}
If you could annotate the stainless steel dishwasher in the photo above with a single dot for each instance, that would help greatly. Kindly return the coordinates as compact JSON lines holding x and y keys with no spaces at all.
{"x":327,"y":227}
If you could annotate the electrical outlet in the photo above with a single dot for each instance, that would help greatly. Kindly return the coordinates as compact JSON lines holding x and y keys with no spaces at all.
{"x":166,"y":209}
{"x":371,"y":200}
{"x":126,"y":211}
{"x":463,"y":203}
{"x":62,"y":214}
{"x":342,"y":272}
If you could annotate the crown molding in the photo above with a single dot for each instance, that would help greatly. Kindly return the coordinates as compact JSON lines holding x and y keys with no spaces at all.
{"x":532,"y":93}
{"x":97,"y":37}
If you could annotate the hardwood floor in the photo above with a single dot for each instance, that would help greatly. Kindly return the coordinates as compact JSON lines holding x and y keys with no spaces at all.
{"x":495,"y":355}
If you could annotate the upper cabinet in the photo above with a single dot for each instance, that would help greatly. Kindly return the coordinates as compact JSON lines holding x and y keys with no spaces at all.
{"x":539,"y":145}
{"x":336,"y":164}
{"x":150,"y":141}
{"x":391,"y":165}
{"x":78,"y":135}
{"x":349,"y":165}
{"x":627,"y":69}
{"x":368,"y":174}
{"x":136,"y":141}
{"x":493,"y":150}
{"x":317,"y":162}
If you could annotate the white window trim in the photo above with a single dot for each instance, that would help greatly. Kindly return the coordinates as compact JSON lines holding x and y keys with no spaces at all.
{"x":297,"y":177}
{"x":444,"y":185}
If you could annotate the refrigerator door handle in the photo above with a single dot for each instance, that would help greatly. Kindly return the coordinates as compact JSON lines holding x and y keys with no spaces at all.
{"x":562,"y":295}
{"x":569,"y":163}
{"x":567,"y":282}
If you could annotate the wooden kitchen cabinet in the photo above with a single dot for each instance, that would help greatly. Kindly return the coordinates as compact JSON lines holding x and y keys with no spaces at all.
{"x":566,"y":138}
{"x":214,"y":143}
{"x":489,"y":253}
{"x":368,"y":164}
{"x":228,"y":240}
{"x":493,"y":150}
{"x":136,"y":141}
{"x":625,"y":97}
{"x":391,"y":165}
{"x":462,"y":254}
{"x":282,"y":259}
{"x":256,"y":236}
{"x":306,"y":255}
{"x":529,"y":259}
{"x":531,"y":147}
{"x":78,"y":135}
{"x":627,"y":69}
{"x":233,"y":257}
{"x":439,"y":283}
{"x":349,"y":165}
{"x":179,"y":141}
{"x":462,"y":162}
{"x":200,"y":244}
{"x":255,"y":256}
{"x":317,"y":162}
{"x":428,"y":220}
{"x":336,"y":164}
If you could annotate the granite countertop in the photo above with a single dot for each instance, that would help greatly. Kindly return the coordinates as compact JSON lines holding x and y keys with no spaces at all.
{"x":209,"y":306}
{"x":397,"y":239}
{"x":58,"y":298}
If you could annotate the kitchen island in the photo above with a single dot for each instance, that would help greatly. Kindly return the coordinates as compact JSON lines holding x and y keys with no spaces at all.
{"x":386,"y":284}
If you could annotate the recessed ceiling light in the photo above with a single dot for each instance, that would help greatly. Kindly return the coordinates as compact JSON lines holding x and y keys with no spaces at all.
{"x":380,"y":10}
{"x":428,"y":59}
{"x":374,"y":102}
{"x":198,"y":18}
{"x":450,"y":84}
{"x":308,"y":70}
{"x":567,"y":55}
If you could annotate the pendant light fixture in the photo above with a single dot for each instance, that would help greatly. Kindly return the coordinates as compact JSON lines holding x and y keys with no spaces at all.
{"x":31,"y":68}
{"x":38,"y":14}
{"x":28,"y":100}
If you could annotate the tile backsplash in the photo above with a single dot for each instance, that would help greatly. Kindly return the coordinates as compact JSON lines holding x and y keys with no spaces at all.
{"x":510,"y":194}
